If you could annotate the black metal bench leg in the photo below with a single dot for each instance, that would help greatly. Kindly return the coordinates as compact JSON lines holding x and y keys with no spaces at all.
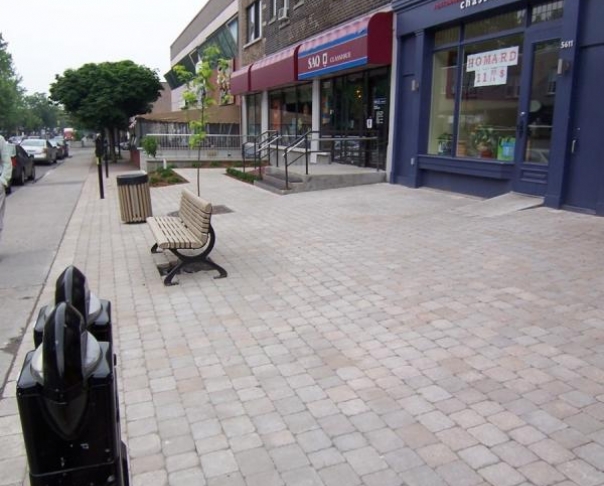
{"x":222,"y":272}
{"x":154,"y":249}
{"x":174,"y":271}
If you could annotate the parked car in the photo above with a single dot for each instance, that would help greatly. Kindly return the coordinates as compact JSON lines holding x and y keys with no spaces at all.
{"x":24,"y":167}
{"x":42,"y":150}
{"x":59,"y":148}
{"x":63,"y":144}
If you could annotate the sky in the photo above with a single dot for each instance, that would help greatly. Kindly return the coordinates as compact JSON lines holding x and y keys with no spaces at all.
{"x":47,"y":37}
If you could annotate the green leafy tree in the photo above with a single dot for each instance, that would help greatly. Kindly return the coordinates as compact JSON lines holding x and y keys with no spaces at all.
{"x":43,"y":111}
{"x":11,"y":92}
{"x":199,"y":94}
{"x":105,"y":96}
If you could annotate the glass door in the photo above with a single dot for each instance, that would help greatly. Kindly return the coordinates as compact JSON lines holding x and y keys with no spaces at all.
{"x":535,"y":119}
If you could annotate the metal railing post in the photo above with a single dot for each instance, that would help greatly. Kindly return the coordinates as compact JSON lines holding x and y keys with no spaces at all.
{"x":286,"y":172}
{"x":306,"y":150}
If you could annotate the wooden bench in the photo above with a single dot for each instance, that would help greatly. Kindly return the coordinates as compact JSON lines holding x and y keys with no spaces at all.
{"x":190,"y":230}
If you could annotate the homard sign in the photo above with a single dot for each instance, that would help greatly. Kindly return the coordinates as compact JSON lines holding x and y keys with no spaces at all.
{"x":463,"y":4}
{"x":491,"y":67}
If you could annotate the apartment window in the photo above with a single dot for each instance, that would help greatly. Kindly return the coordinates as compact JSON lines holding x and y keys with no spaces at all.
{"x":233,"y":27}
{"x":283,"y":13}
{"x":254,"y":21}
{"x":274,"y":8}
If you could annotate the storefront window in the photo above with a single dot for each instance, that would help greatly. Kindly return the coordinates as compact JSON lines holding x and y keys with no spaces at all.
{"x":549,"y":11}
{"x":446,"y":36}
{"x":254,"y":102}
{"x":355,"y":106}
{"x":541,"y":110}
{"x":326,"y":103}
{"x":444,"y":78}
{"x":290,"y":111}
{"x":489,"y":100}
{"x":495,"y":24}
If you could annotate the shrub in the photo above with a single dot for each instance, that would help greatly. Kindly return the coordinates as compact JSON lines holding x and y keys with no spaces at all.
{"x":242,"y":176}
{"x":150,"y":145}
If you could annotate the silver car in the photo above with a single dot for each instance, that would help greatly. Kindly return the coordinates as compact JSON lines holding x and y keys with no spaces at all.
{"x":41,"y":150}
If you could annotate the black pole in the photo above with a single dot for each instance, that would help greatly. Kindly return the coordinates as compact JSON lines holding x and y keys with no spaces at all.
{"x":100,"y":167}
{"x":98,"y":152}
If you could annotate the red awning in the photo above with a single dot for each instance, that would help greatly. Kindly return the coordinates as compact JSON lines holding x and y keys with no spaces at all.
{"x":275,"y":70}
{"x":365,"y":41}
{"x":240,"y":80}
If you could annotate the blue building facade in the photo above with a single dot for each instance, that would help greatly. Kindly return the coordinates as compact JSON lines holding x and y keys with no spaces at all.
{"x":508,"y":95}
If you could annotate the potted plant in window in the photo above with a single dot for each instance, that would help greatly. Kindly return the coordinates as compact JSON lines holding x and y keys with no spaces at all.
{"x":483,"y":140}
{"x":445,"y":144}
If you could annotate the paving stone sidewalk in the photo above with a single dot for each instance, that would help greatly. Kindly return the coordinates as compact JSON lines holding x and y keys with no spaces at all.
{"x":373,"y":335}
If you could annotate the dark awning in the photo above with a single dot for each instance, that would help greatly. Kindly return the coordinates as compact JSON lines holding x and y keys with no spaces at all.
{"x":362,"y":42}
{"x":275,"y":70}
{"x":240,"y":80}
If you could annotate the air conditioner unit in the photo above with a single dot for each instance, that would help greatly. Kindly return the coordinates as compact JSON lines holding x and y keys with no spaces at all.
{"x":283,"y":13}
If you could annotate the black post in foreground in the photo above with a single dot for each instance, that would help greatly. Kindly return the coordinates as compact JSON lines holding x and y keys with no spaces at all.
{"x":67,"y":393}
{"x":106,"y":149}
{"x":98,"y":152}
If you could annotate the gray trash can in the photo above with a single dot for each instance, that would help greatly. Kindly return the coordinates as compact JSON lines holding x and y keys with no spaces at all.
{"x":134,"y":197}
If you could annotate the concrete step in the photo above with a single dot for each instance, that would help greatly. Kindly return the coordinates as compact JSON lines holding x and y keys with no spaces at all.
{"x":274,"y":180}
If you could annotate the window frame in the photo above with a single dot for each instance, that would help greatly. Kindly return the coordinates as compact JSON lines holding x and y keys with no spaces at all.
{"x":253,"y":10}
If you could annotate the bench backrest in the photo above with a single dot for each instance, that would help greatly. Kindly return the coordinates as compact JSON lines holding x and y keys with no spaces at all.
{"x":196,"y":214}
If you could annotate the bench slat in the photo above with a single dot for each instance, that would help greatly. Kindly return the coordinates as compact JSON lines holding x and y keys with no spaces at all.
{"x":190,"y":230}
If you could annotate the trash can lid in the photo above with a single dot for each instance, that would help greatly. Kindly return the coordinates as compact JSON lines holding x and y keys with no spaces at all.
{"x":132,"y":179}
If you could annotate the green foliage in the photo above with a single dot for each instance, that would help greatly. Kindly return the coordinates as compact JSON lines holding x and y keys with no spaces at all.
{"x":163,"y":177}
{"x":199,"y":91}
{"x":106,"y":95}
{"x":483,"y":138}
{"x":43,"y":112}
{"x":150,"y":145}
{"x":11,"y":92}
{"x":243,"y":176}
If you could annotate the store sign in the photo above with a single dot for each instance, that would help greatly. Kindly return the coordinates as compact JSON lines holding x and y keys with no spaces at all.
{"x":463,"y":4}
{"x":491,"y":67}
{"x":334,"y":57}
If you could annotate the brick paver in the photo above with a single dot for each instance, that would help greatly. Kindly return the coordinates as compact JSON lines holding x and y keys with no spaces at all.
{"x":372,"y":335}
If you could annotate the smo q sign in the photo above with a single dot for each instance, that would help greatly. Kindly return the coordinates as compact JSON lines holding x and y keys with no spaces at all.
{"x":349,"y":53}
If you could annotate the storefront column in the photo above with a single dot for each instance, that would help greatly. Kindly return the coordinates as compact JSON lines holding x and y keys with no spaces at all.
{"x":264,"y":122}
{"x":244,"y":118}
{"x":316,"y":119}
{"x":391,"y":102}
{"x":562,"y":123}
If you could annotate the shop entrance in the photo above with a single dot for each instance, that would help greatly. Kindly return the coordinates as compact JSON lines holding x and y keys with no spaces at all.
{"x":532,"y":149}
{"x":353,"y":106}
{"x":585,"y":173}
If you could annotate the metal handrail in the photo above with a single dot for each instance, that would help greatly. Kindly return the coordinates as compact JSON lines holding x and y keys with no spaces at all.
{"x":258,"y":140}
{"x":292,"y":146}
{"x":307,"y":150}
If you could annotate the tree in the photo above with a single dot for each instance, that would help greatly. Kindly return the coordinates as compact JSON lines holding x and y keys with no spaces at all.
{"x":42,"y":110}
{"x":200,"y":94}
{"x":11,"y":92}
{"x":105,"y":96}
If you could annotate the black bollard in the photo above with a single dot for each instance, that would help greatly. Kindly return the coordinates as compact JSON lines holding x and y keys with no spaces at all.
{"x":72,"y":287}
{"x":67,"y":402}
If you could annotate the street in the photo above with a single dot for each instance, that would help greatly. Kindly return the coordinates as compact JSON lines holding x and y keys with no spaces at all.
{"x":35,"y":221}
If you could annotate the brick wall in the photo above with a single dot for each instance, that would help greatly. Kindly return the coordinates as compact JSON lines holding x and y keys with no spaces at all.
{"x":256,"y":50}
{"x":310,"y":17}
